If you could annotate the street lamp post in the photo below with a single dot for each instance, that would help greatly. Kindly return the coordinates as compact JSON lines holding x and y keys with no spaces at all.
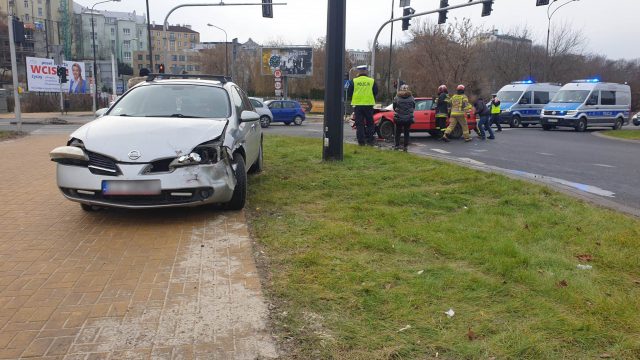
{"x":95,"y":62}
{"x":226,"y":49}
{"x":549,"y":16}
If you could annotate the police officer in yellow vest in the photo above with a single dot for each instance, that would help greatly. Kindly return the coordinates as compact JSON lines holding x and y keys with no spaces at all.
{"x":495,"y":112}
{"x":363,"y":91}
{"x":459,"y":108}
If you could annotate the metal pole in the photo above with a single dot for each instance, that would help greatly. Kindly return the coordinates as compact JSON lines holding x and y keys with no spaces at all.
{"x":226,"y":49}
{"x":393,"y":2}
{"x":165,"y":23}
{"x":375,"y":39}
{"x":333,"y":129}
{"x":60,"y":81}
{"x":95,"y":62}
{"x":549,"y":16}
{"x":150,"y":47}
{"x":14,"y":70}
{"x":113,"y":75}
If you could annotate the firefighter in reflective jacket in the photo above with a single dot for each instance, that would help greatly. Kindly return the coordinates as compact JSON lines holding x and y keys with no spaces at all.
{"x":443,"y":106}
{"x":459,"y":108}
{"x":363,"y":91}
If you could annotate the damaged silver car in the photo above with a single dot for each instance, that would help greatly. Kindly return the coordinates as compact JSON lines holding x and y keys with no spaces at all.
{"x":167,"y":142}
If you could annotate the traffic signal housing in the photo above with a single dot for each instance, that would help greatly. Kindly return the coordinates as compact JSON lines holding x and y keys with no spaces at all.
{"x":161,"y":68}
{"x":442,"y":15}
{"x":405,"y":22}
{"x":487,"y":7}
{"x":542,"y":2}
{"x":267,"y":9}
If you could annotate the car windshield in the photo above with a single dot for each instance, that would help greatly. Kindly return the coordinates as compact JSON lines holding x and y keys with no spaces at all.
{"x":509,"y":96}
{"x":571,"y":96}
{"x":175,"y":100}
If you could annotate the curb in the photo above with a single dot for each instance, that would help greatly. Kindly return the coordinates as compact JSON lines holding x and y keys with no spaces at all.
{"x":600,"y":135}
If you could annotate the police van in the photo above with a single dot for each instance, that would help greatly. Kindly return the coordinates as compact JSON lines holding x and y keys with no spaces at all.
{"x":521,"y":102}
{"x":583,"y":103}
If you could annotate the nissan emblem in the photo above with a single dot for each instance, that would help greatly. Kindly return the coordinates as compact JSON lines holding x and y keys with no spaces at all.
{"x":134,"y":155}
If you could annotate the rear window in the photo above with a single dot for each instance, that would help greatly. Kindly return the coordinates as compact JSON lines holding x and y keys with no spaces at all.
{"x":175,"y":100}
{"x":540,"y":97}
{"x":607,"y":97}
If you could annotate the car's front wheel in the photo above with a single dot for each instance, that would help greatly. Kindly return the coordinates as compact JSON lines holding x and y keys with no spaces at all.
{"x":265,"y":121}
{"x":297,"y":120}
{"x":618,"y":124}
{"x":581,"y":126}
{"x":387,"y":130}
{"x":636,"y":121}
{"x":240,"y":192}
{"x":515,"y":122}
{"x":547,"y":127}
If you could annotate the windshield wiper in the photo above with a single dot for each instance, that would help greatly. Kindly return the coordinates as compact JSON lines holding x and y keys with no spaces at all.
{"x":177,"y":116}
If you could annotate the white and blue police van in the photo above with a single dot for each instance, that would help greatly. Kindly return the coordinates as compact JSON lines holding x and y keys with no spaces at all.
{"x":590,"y":102}
{"x":521,"y":102}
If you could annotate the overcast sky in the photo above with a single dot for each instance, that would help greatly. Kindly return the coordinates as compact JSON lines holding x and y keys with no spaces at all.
{"x":609,"y":26}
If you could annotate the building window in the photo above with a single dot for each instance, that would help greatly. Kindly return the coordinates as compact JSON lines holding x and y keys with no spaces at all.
{"x":126,"y":44}
{"x":39,"y":1}
{"x":113,"y":32}
{"x":127,"y":55}
{"x":172,"y":36}
{"x":157,"y":57}
{"x":39,"y":11}
{"x":140,"y":57}
{"x":113,"y":44}
{"x":182,"y":58}
{"x":26,"y":4}
{"x":148,"y":57}
{"x":126,"y":31}
{"x":139,"y":66}
{"x":174,"y":57}
{"x":26,"y":17}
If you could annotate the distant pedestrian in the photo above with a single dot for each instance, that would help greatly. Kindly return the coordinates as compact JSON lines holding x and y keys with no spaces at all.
{"x":443,"y":107}
{"x":459,"y":108}
{"x":404,"y":105}
{"x":495,"y":112}
{"x":363,"y":91}
{"x":484,"y":113}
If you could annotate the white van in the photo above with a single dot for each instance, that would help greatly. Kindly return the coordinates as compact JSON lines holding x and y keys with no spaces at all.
{"x":521,"y":102}
{"x":583,"y":103}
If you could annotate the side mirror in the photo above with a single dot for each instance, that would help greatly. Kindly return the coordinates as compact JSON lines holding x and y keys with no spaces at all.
{"x":101,"y":112}
{"x":249,"y":116}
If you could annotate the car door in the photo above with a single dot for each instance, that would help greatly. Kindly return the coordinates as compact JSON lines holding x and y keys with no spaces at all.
{"x":276,"y":110}
{"x":289,"y":110}
{"x":249,"y":132}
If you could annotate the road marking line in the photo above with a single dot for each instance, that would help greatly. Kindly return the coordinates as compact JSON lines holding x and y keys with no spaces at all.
{"x":314,"y":130}
{"x":604,"y":165}
{"x":582,"y":187}
{"x":421,"y":145}
{"x":440,"y":151}
{"x":546,"y":154}
{"x":475,"y":162}
{"x":479,"y":150}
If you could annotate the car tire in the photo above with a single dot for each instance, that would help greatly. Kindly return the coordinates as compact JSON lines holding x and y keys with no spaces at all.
{"x":581,"y":126}
{"x":636,"y":122}
{"x":257,"y":166}
{"x":297,"y":120}
{"x":240,"y":192}
{"x":515,"y":122}
{"x":618,"y":124}
{"x":456,"y":133}
{"x":265,"y":121}
{"x":525,"y":125}
{"x":547,"y":127}
{"x":387,"y":130}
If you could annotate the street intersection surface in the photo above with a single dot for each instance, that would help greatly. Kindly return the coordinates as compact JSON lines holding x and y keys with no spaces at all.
{"x":602,"y":170}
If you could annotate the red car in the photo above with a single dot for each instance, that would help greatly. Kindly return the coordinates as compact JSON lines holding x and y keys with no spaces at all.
{"x":424,"y":117}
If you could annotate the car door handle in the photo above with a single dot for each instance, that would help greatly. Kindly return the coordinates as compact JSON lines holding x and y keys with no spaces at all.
{"x":253,"y":127}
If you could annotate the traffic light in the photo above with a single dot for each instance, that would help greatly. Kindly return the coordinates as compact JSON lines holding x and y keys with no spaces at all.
{"x":442,"y":15}
{"x":161,"y":68}
{"x":267,"y":9}
{"x":542,"y":2}
{"x":405,"y":22}
{"x":18,"y":31}
{"x":486,"y":7}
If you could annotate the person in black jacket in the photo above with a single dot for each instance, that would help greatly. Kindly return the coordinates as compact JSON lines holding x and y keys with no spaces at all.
{"x":404,"y":105}
{"x":442,"y":107}
{"x":483,"y":112}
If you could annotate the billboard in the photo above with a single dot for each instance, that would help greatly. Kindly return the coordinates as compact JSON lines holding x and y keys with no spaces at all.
{"x":42,"y":76}
{"x":292,"y":61}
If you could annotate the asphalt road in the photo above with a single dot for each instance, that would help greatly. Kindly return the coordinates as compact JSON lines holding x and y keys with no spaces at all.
{"x":603,"y":170}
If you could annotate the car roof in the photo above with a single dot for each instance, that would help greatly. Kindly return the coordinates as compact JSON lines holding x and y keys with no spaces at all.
{"x":185,"y":82}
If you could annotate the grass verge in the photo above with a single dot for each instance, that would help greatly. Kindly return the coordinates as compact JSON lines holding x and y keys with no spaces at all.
{"x":366,"y":255}
{"x":623,"y":134}
{"x":6,"y":135}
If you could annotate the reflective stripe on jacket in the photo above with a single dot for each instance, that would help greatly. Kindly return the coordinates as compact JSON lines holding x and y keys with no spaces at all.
{"x":459,"y":104}
{"x":363,"y":91}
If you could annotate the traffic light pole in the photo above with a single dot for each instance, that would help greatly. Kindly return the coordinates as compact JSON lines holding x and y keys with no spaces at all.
{"x":165,"y":23}
{"x":14,"y":71}
{"x":375,"y":39}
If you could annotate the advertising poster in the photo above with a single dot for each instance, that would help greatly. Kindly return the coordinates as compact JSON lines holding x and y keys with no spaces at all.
{"x":292,"y":61}
{"x":42,"y":76}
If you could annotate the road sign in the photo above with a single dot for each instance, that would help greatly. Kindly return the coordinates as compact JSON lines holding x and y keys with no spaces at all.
{"x":277,"y":73}
{"x":278,"y":92}
{"x":278,"y":85}
{"x":346,"y":84}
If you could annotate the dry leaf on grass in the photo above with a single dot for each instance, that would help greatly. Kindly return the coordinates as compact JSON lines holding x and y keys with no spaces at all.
{"x":584,"y":257}
{"x":563,"y":283}
{"x":471,"y":335}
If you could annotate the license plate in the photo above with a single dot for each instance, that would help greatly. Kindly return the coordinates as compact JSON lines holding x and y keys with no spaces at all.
{"x":552,"y":120}
{"x":131,"y":187}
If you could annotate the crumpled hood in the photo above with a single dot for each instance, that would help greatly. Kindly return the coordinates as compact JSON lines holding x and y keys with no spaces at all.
{"x":561,"y":106}
{"x":153,"y":138}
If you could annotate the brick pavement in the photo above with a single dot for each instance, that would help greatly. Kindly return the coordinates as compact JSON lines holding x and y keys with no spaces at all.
{"x":120,"y":284}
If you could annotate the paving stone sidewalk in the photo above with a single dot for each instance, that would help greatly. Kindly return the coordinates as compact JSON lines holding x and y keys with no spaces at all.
{"x":119,"y":284}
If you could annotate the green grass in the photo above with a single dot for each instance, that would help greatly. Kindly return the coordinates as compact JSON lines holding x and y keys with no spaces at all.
{"x":5,"y":135}
{"x":623,"y":134}
{"x":345,"y":243}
